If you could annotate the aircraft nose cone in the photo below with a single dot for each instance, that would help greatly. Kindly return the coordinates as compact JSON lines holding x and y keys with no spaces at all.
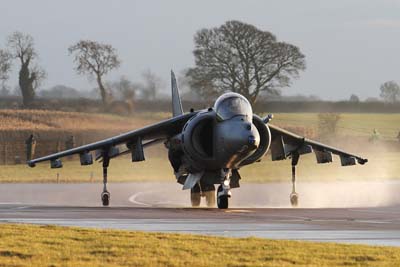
{"x":252,"y":140}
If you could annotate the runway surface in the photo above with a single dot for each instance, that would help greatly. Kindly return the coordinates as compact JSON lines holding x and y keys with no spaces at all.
{"x":367,"y":213}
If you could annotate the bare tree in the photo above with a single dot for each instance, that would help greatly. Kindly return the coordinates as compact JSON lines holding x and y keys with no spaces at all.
{"x":390,"y":91}
{"x":21,"y":47}
{"x":152,"y":83}
{"x":239,"y":57}
{"x":95,"y":59}
{"x":5,"y":67}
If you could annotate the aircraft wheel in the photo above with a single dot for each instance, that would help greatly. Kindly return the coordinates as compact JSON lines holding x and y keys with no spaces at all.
{"x":294,"y":199}
{"x":195,"y":195}
{"x":210,"y":198}
{"x":222,"y":201}
{"x":105,"y":198}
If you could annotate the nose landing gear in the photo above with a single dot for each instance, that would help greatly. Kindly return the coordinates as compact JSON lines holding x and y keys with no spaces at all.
{"x":222,"y":199}
{"x":224,"y":191}
{"x":202,"y":189}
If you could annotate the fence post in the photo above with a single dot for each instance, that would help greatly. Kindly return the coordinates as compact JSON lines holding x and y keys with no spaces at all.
{"x":30,"y":147}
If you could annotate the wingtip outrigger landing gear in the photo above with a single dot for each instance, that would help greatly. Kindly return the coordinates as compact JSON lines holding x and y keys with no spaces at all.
{"x":294,"y":197}
{"x":105,"y":195}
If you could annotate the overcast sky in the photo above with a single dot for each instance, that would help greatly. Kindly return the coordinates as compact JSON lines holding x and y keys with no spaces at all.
{"x":350,"y":46}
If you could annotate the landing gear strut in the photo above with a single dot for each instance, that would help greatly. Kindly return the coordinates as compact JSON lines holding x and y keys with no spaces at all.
{"x":224,"y":190}
{"x":201,"y":190}
{"x":294,"y":197}
{"x":209,"y":194}
{"x":195,"y":195}
{"x":105,"y":195}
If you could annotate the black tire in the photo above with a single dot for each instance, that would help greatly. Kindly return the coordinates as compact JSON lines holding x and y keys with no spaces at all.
{"x":105,"y":199}
{"x":222,"y":201}
{"x":195,"y":196}
{"x":294,"y":199}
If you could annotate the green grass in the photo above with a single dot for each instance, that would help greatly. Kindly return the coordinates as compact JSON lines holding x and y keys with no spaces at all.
{"x":27,"y":245}
{"x":350,"y":124}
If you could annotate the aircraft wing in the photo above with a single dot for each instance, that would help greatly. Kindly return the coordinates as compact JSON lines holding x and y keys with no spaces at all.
{"x":285,"y":143}
{"x":152,"y":134}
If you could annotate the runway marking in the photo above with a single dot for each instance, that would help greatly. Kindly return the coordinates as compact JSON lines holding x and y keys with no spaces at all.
{"x":294,"y":217}
{"x":133,"y":200}
{"x":20,"y":208}
{"x":238,"y":211}
{"x":375,"y":211}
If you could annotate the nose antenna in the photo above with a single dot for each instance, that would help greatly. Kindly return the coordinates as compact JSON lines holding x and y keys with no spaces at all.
{"x":268,"y":118}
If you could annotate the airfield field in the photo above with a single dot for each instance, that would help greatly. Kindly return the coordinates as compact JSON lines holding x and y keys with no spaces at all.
{"x":28,"y":245}
{"x":353,"y":131}
{"x":157,"y":168}
{"x":329,"y":212}
{"x":350,"y":124}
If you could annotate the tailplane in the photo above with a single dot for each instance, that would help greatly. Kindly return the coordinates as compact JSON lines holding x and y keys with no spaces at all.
{"x":176,"y":99}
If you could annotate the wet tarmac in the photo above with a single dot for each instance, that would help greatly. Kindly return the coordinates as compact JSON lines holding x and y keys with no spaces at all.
{"x":365,"y":213}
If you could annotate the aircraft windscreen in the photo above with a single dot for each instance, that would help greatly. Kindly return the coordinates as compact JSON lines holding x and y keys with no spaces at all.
{"x":231,"y":105}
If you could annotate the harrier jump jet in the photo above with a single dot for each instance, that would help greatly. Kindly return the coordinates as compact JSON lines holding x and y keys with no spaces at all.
{"x":208,"y":147}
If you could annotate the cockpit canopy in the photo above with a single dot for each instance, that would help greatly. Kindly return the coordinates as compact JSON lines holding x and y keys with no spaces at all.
{"x":230,"y":105}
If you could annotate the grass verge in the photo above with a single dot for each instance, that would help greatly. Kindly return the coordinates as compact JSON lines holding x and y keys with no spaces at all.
{"x":27,"y":245}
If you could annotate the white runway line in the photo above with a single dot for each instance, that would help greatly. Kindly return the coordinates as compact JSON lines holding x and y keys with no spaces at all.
{"x":133,"y":200}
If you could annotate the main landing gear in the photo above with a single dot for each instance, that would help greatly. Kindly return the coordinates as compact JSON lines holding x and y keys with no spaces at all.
{"x":294,"y":197}
{"x":224,"y":190}
{"x":105,"y":195}
{"x":198,"y":191}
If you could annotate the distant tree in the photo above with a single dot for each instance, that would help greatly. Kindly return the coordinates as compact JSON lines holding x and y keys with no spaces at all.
{"x":354,"y":98}
{"x":241,"y":58}
{"x":21,"y":47}
{"x":390,"y":91}
{"x":4,"y":91}
{"x":124,"y":88}
{"x":60,"y":91}
{"x":152,"y":83}
{"x":372,"y":99}
{"x":92,"y":93}
{"x":16,"y":91}
{"x":5,"y":67}
{"x":95,"y":59}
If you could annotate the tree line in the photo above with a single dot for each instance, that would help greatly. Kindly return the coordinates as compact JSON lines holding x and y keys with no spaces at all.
{"x":235,"y":56}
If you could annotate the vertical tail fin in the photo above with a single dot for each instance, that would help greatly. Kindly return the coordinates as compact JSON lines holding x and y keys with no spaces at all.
{"x":176,"y":99}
